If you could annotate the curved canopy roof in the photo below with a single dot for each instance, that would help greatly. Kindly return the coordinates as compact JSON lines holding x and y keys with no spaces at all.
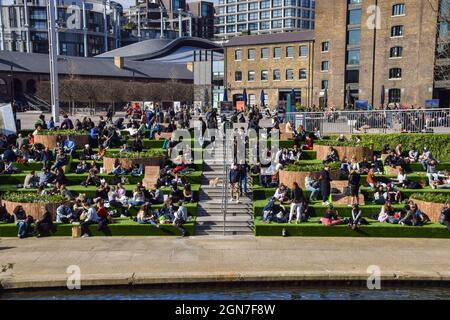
{"x":159,"y":48}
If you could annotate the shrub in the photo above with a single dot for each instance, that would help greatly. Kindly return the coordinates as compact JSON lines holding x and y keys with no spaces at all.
{"x":348,"y":143}
{"x":299,"y":167}
{"x":430,"y":197}
{"x":439,"y":144}
{"x":137,"y":155}
{"x":62,"y":132}
{"x":31,"y":197}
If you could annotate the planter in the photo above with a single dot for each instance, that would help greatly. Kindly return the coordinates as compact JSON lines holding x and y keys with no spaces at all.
{"x":431,"y":209}
{"x":359,"y":152}
{"x":36,"y":210}
{"x":50,"y":141}
{"x":289,"y":177}
{"x":128,"y":163}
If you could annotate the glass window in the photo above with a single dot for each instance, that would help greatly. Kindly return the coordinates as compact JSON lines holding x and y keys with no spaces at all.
{"x":354,"y":17}
{"x":395,"y":95}
{"x":242,"y":17}
{"x":289,"y":74}
{"x":238,"y":54}
{"x":238,"y":76}
{"x":277,"y":3}
{"x":302,"y":75}
{"x":242,"y":7}
{"x":251,"y":54}
{"x":231,"y":19}
{"x":264,"y":53}
{"x":395,"y":73}
{"x":325,"y":46}
{"x":276,"y":24}
{"x":396,"y":52}
{"x":289,"y":52}
{"x":231,"y":9}
{"x":231,"y":29}
{"x":324,"y":66}
{"x":251,"y":76}
{"x":265,"y":4}
{"x":264,"y":75}
{"x":241,"y":27}
{"x":354,"y":37}
{"x":398,"y":9}
{"x":265,"y":25}
{"x":253,"y":26}
{"x":276,"y":74}
{"x":264,"y":14}
{"x":277,"y":53}
{"x":253,"y":6}
{"x":397,"y":31}
{"x":303,"y":51}
{"x":324,"y":84}
{"x":277,"y":13}
{"x":253,"y":16}
{"x":353,"y":57}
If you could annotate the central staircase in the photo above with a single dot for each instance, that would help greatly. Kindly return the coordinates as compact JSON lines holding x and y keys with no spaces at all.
{"x":217,"y":215}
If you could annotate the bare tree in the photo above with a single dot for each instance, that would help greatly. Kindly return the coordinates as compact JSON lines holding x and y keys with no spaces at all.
{"x":442,"y":64}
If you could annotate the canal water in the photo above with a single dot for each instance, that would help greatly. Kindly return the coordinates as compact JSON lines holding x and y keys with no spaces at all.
{"x":276,"y":292}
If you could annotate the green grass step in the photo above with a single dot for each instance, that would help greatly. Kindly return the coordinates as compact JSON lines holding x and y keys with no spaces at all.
{"x":375,"y":229}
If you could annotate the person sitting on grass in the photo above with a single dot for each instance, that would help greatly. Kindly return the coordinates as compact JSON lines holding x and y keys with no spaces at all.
{"x":66,"y":193}
{"x":331,"y":217}
{"x":138,"y":198}
{"x":376,"y":165}
{"x":442,"y":182}
{"x":274,"y":212}
{"x":45,"y":226}
{"x":444,"y":217}
{"x":167,"y":210}
{"x":312,"y":184}
{"x":414,"y":216}
{"x":356,"y":218}
{"x":388,"y":214}
{"x":146,"y":215}
{"x":22,"y":221}
{"x":100,"y":154}
{"x":102,"y":190}
{"x":69,"y":146}
{"x":176,"y":194}
{"x":393,"y":194}
{"x":31,"y":180}
{"x":87,"y":153}
{"x":181,"y":216}
{"x":10,"y":168}
{"x":92,"y":179}
{"x":371,"y":180}
{"x":332,"y":156}
{"x":88,"y":217}
{"x":188,"y":195}
{"x":64,"y":213}
{"x":61,"y":160}
{"x":117,"y":168}
{"x":281,"y":193}
{"x":104,"y":217}
{"x":5,"y":217}
{"x":82,"y":167}
{"x":156,"y":195}
{"x":413,"y":155}
{"x":46,"y":178}
{"x":138,"y":170}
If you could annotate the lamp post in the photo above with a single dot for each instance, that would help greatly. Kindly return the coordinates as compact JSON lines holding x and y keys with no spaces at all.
{"x":53,"y":60}
{"x":11,"y":83}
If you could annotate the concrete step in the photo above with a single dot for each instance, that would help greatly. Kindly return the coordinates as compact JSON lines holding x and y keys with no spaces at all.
{"x":239,"y":225}
{"x":239,"y":218}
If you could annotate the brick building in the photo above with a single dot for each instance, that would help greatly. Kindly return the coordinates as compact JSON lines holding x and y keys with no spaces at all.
{"x":355,"y":60}
{"x":275,"y":63}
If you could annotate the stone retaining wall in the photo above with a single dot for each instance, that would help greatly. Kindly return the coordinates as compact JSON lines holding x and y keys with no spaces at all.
{"x":433,"y":210}
{"x":50,"y":140}
{"x":36,"y":210}
{"x":128,"y":163}
{"x":359,"y":152}
{"x":289,"y":177}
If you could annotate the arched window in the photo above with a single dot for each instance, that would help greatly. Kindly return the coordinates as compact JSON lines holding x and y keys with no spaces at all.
{"x":395,"y":73}
{"x":395,"y":95}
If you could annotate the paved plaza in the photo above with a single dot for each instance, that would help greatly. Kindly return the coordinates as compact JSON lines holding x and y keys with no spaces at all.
{"x":160,"y":260}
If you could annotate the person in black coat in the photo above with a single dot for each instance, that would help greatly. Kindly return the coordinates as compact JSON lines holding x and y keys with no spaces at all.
{"x":45,"y":225}
{"x":325,"y":184}
{"x":354,"y":180}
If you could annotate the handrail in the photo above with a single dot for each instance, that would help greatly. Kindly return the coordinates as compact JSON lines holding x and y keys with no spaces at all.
{"x":224,"y":179}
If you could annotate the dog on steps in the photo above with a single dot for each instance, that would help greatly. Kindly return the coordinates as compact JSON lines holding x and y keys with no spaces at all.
{"x":214,"y":182}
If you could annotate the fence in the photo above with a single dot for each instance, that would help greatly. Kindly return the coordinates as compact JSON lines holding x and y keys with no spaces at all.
{"x":375,"y":121}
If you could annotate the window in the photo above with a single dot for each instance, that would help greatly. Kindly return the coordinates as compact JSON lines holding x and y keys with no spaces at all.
{"x":241,"y":27}
{"x":265,"y":4}
{"x":253,"y":16}
{"x":264,"y":53}
{"x":325,"y":46}
{"x":289,"y":74}
{"x":354,"y":17}
{"x":251,"y":54}
{"x":397,"y":31}
{"x":324,"y":66}
{"x":277,"y":3}
{"x":277,"y":53}
{"x":354,"y":37}
{"x":276,"y":74}
{"x":276,"y":24}
{"x":264,"y":75}
{"x":231,"y":9}
{"x":353,"y":57}
{"x":238,"y":76}
{"x":277,"y":13}
{"x":251,"y":76}
{"x":231,"y":19}
{"x":242,"y":17}
{"x":253,"y":26}
{"x":324,"y":84}
{"x":395,"y":73}
{"x":289,"y":52}
{"x":238,"y":55}
{"x":398,"y":9}
{"x":253,"y":6}
{"x":265,"y":25}
{"x":302,"y":75}
{"x":264,"y":15}
{"x":242,"y":7}
{"x":303,"y":51}
{"x":395,"y":95}
{"x":396,"y":52}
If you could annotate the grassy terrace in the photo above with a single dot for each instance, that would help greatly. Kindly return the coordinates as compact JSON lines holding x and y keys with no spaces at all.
{"x":438,"y":144}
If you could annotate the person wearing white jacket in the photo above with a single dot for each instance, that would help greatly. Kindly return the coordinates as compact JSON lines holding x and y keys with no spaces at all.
{"x":181,"y":216}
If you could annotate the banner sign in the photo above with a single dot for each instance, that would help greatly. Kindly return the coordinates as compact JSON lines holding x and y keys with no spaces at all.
{"x":7,"y":123}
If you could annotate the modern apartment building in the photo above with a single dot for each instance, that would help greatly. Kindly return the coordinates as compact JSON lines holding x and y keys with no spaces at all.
{"x":237,"y":17}
{"x":380,"y":51}
{"x":85,"y":28}
{"x":273,"y":63}
{"x":150,"y":19}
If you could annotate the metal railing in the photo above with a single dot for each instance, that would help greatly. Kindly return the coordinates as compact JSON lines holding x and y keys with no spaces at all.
{"x":374,"y":121}
{"x":224,"y":205}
